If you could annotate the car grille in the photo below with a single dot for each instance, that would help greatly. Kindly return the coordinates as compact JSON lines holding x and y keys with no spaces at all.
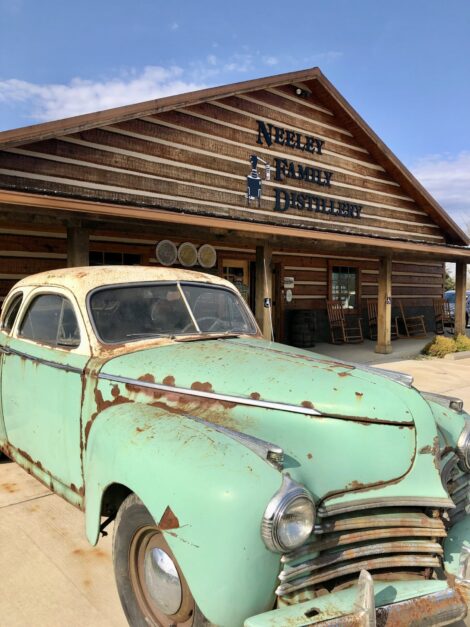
{"x":457,"y":483}
{"x":390,"y":543}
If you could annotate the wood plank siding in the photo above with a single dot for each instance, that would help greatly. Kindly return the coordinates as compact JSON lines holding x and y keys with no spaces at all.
{"x":196,"y":159}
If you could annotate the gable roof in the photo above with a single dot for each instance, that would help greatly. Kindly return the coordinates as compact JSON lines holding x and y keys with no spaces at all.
{"x":351,"y":119}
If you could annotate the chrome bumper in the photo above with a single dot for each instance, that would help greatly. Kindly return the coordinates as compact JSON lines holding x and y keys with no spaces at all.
{"x":444,"y":606}
{"x":441,"y":608}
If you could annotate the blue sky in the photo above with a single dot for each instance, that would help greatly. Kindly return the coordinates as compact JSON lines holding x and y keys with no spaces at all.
{"x":404,"y":66}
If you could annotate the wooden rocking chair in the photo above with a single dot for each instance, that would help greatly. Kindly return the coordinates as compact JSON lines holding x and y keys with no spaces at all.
{"x":413,"y":325}
{"x":372,"y":314}
{"x":442,"y":315}
{"x":344,"y":329}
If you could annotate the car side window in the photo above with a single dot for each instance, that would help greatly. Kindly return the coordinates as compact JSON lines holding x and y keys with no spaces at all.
{"x":11,"y":313}
{"x":50,"y":319}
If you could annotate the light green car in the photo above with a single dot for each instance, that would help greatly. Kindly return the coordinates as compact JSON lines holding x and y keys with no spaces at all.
{"x":250,"y":483}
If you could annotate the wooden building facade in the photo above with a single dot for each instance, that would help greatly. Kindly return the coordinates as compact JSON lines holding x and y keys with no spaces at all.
{"x":301,"y":200}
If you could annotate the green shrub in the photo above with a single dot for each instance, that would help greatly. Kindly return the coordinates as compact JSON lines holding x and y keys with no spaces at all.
{"x":462,"y":342}
{"x":441,"y":346}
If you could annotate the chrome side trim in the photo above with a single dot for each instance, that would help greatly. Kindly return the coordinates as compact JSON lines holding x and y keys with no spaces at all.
{"x":39,"y":360}
{"x":271,"y":453}
{"x":393,"y":375}
{"x":449,"y":402}
{"x":390,"y":501}
{"x":238,"y":400}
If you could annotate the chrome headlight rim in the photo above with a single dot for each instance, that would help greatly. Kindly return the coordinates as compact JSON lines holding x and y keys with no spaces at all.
{"x":463,"y":447}
{"x":289,"y":492}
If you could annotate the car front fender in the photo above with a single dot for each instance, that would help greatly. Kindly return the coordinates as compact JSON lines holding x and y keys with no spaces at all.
{"x":206,"y":491}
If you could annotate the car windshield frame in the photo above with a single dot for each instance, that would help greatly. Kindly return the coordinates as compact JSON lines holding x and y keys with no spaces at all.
{"x":179,"y":285}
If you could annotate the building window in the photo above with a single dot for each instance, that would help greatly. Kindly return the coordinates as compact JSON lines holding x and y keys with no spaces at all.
{"x":345,"y":286}
{"x":98,"y":258}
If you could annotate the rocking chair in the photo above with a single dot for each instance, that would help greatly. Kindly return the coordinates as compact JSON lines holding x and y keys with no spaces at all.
{"x":413,"y":325}
{"x":344,"y":329}
{"x":442,"y":315}
{"x":372,"y":314}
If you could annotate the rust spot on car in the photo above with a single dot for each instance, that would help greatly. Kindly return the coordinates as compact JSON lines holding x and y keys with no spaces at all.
{"x":355,"y":485}
{"x":145,"y":378}
{"x":80,"y":491}
{"x":115,"y":391}
{"x":344,"y":374}
{"x":168,"y":520}
{"x":139,"y":429}
{"x":169,"y":380}
{"x":309,"y":455}
{"x":426,"y":450}
{"x":359,"y":395}
{"x":201,"y":387}
{"x":307,"y":404}
{"x":255,"y":396}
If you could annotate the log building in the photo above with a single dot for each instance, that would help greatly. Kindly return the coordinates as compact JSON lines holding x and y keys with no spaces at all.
{"x":280,"y":176}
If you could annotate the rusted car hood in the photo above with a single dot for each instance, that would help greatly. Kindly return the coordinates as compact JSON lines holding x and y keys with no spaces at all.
{"x":254,"y":369}
{"x":339,"y":428}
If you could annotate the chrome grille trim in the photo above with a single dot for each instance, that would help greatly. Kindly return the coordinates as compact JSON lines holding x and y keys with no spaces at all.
{"x":390,"y":539}
{"x":457,"y":483}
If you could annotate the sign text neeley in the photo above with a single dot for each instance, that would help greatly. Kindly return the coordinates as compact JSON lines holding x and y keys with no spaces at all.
{"x":303,"y":201}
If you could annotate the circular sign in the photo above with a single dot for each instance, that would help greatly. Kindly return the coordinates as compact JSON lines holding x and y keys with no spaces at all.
{"x":207,"y":256}
{"x":289,"y":296}
{"x":166,"y":252}
{"x":187,"y":254}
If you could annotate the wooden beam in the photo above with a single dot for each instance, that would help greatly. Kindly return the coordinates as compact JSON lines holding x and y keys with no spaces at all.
{"x":334,"y":239}
{"x":264,"y":290}
{"x":384,"y":307}
{"x":78,"y":246}
{"x":460,"y":296}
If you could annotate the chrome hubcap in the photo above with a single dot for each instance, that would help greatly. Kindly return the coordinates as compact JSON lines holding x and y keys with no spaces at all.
{"x":162,"y":581}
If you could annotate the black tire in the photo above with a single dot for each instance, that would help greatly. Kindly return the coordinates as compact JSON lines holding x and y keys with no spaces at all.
{"x":132,"y":529}
{"x":466,"y":320}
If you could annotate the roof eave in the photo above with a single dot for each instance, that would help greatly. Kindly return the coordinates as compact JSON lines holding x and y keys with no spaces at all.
{"x":75,"y":124}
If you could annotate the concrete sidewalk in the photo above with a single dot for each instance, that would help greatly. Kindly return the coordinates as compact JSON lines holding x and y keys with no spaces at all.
{"x":51,"y":577}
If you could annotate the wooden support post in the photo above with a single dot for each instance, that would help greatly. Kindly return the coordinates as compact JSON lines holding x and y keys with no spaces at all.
{"x":384,"y":307}
{"x":460,"y":296}
{"x":264,"y":289}
{"x":78,"y":247}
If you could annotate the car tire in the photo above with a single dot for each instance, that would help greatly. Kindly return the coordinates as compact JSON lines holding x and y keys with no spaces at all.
{"x":136,"y":538}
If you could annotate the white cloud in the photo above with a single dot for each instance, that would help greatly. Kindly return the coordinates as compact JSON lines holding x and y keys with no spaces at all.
{"x":447,"y":178}
{"x":174,"y":26}
{"x":48,"y":102}
{"x":269,"y":60}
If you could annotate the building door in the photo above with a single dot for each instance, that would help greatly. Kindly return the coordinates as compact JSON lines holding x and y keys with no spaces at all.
{"x":237,"y":271}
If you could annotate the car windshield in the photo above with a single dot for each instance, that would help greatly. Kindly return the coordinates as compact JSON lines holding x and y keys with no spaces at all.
{"x":132,"y":312}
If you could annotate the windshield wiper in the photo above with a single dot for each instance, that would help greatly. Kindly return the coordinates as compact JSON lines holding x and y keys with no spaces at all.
{"x":206,"y":336}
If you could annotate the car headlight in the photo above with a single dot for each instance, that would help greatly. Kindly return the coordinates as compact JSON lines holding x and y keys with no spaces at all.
{"x":463,"y":447}
{"x":289,"y":518}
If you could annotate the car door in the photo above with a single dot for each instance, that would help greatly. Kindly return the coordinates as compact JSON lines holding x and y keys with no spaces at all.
{"x":9,"y":314}
{"x":43,"y":364}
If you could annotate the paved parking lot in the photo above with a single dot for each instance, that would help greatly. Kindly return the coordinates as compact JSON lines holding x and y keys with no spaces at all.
{"x":51,"y":577}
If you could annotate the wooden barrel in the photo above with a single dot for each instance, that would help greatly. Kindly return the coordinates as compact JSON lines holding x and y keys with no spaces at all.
{"x":302,"y":331}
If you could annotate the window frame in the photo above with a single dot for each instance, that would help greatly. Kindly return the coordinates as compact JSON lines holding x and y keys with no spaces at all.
{"x":6,"y":310}
{"x":346,"y":263}
{"x":183,"y":282}
{"x":83,"y":347}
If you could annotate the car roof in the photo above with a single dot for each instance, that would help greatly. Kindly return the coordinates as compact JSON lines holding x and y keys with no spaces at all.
{"x":82,"y":280}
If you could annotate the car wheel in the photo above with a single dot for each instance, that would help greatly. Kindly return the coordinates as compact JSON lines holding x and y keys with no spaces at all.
{"x":151,"y":586}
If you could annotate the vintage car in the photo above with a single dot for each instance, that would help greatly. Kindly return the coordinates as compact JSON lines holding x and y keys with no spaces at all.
{"x":250,"y":483}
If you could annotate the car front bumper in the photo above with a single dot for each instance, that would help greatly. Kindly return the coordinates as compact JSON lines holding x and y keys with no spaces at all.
{"x":370,"y":604}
